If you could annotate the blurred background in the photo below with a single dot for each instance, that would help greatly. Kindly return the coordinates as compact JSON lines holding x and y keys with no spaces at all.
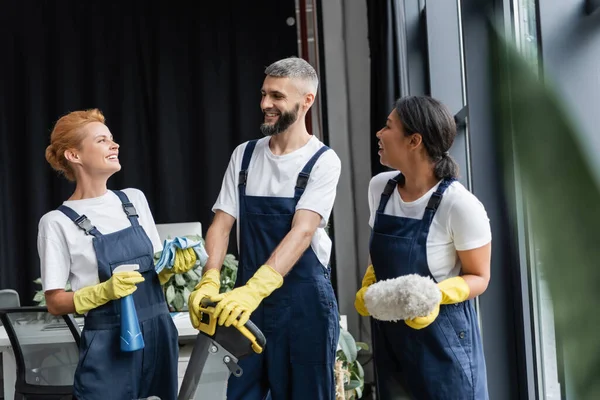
{"x":179,"y":83}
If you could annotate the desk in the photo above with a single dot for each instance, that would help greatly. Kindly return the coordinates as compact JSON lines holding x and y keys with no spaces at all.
{"x":187,"y":334}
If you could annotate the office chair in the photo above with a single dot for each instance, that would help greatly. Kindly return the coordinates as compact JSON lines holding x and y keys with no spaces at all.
{"x":46,"y":350}
{"x":9,"y":298}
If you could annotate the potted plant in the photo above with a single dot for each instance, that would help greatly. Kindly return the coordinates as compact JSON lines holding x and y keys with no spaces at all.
{"x":178,"y":288}
{"x":349,"y":373}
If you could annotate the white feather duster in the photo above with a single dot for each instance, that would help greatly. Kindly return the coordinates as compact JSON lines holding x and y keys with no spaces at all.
{"x":405,"y":297}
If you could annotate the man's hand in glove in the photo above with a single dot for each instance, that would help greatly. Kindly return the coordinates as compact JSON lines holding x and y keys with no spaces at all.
{"x":208,"y":286}
{"x":119,"y":285}
{"x":359,"y":302}
{"x":454,"y":290}
{"x":185,"y":259}
{"x":242,"y":301}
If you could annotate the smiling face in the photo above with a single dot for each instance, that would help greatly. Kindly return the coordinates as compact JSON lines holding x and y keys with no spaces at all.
{"x":98,"y":153}
{"x":282,"y":104}
{"x":395,"y":148}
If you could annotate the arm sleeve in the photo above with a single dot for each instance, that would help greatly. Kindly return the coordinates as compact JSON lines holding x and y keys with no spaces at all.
{"x":55,"y":262}
{"x":372,"y":203}
{"x":469,"y":224}
{"x":321,"y":189}
{"x":228,"y":196}
{"x":147,"y":221}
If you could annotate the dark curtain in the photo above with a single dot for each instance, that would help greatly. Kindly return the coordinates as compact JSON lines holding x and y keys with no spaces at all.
{"x":180,"y":88}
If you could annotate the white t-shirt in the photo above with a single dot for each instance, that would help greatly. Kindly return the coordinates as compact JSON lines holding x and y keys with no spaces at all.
{"x":275,"y":176}
{"x":460,"y":222}
{"x":67,"y":253}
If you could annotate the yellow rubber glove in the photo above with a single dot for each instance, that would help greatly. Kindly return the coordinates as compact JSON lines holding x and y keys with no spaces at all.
{"x":119,"y":285}
{"x":454,"y":290}
{"x":359,"y":301}
{"x":242,"y":301}
{"x":208,"y":286}
{"x":185,"y":259}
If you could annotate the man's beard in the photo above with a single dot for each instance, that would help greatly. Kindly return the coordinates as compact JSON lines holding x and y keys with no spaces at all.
{"x":285,"y":120}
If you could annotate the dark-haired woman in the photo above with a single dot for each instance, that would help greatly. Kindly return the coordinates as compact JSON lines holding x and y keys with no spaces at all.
{"x":425,"y":222}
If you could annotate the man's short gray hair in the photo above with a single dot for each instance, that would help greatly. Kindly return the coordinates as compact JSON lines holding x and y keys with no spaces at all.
{"x":296,"y":68}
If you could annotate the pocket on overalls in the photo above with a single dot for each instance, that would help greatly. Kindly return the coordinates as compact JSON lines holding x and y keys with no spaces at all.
{"x":145,"y":264}
{"x":87,"y":338}
{"x":142,"y":297}
{"x":315,"y":325}
{"x":96,"y":371}
{"x":455,"y":328}
{"x":461,"y":325}
{"x":161,"y":340}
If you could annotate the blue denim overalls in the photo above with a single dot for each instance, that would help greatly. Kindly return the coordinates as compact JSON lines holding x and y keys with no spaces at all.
{"x":104,"y":371}
{"x":442,"y":361}
{"x":300,"y":319}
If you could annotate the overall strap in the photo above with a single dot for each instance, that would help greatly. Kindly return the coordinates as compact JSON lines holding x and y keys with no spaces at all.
{"x":128,"y":207}
{"x":435,"y":200}
{"x":80,"y":220}
{"x":243,"y":176}
{"x":304,"y":175}
{"x":387,"y":192}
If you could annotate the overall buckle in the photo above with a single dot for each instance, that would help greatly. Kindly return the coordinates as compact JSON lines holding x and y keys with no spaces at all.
{"x":129,"y":210}
{"x":434,"y":201}
{"x":242,"y":178}
{"x":84,"y":223}
{"x":302,"y":180}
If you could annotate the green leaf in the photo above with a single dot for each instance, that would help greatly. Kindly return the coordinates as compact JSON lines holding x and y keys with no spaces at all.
{"x":179,"y":280}
{"x":39,"y":296}
{"x":191,"y":285}
{"x":170,"y":294}
{"x":360,"y":370}
{"x":348,"y":345}
{"x":38,"y":281}
{"x":193,"y":275}
{"x":228,"y":273}
{"x":178,"y":301}
{"x":359,"y":391}
{"x":362,"y":346}
{"x":230,"y":262}
{"x":186,"y":295}
{"x":225,"y":288}
{"x":195,"y":238}
{"x":548,"y":153}
{"x":352,"y":385}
